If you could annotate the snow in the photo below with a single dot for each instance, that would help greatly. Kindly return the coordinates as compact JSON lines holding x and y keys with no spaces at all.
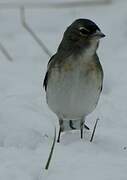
{"x":27,"y":124}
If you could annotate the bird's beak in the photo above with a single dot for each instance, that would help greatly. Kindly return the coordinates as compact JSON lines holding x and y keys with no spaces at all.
{"x":98,"y":35}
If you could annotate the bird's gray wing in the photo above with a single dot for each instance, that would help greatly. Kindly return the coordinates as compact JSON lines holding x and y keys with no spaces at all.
{"x":101,"y":70}
{"x":45,"y":82}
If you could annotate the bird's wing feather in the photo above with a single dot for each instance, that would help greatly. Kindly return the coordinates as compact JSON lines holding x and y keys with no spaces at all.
{"x":102,"y":73}
{"x":45,"y":82}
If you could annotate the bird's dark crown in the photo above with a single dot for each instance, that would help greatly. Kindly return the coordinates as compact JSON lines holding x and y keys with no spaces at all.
{"x":81,"y":28}
{"x":89,"y":25}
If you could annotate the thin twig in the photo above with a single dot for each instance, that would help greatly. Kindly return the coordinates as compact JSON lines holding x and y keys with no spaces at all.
{"x":94,"y":129}
{"x":33,"y":34}
{"x":6,"y":54}
{"x":51,"y":152}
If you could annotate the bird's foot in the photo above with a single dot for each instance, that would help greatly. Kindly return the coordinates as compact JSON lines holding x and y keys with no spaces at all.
{"x":86,"y":127}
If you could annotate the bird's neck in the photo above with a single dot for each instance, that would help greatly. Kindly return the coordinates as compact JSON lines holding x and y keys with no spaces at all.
{"x":67,"y":48}
{"x":91,"y":49}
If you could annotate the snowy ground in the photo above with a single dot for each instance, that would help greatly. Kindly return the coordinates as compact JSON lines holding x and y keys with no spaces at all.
{"x":26,"y":123}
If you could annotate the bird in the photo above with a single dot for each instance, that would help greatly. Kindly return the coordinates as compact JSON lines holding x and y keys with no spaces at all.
{"x":74,"y":78}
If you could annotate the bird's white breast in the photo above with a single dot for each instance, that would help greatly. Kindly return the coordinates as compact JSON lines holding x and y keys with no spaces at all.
{"x":74,"y":88}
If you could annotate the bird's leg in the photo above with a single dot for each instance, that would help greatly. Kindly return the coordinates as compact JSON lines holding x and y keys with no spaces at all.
{"x":81,"y":128}
{"x":60,"y":130}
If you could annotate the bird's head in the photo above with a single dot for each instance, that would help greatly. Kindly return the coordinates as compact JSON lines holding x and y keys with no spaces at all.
{"x":82,"y":33}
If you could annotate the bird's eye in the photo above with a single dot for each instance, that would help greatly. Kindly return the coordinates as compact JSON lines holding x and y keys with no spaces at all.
{"x":84,"y":31}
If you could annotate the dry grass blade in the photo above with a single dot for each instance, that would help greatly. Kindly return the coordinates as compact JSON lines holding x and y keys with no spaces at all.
{"x":94,"y":129}
{"x":51,"y":152}
{"x":6,"y":54}
{"x":32,"y":33}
